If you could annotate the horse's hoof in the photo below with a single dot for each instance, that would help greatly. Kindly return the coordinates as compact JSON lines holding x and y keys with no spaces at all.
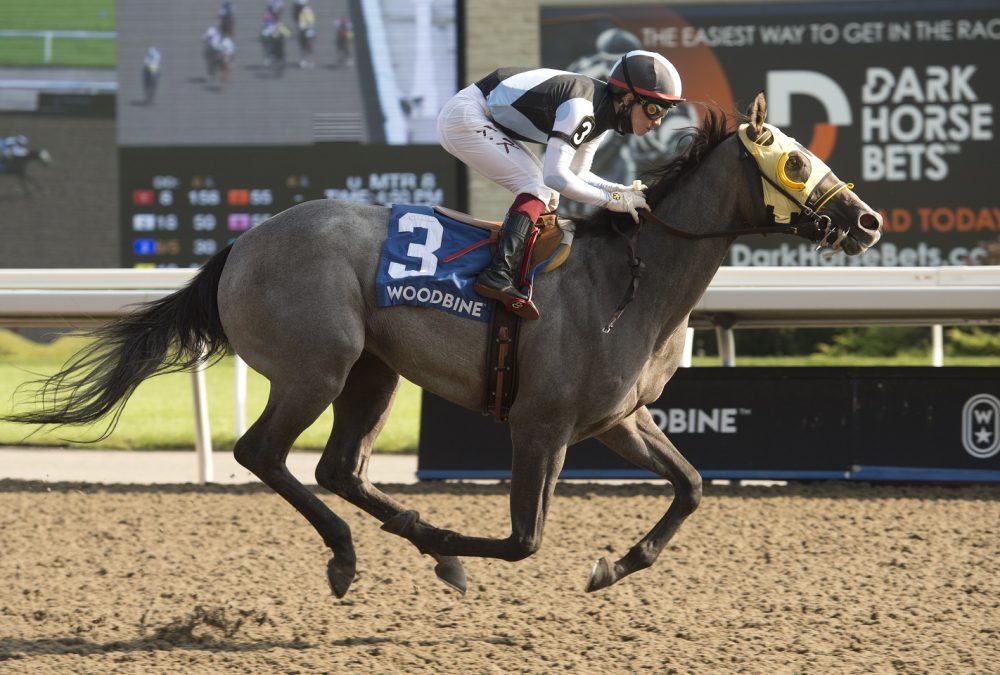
{"x":401,"y":523}
{"x":449,"y":570}
{"x":601,"y":576}
{"x":340,"y":576}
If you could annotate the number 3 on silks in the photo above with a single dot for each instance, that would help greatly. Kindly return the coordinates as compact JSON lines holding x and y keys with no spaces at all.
{"x":424,"y":252}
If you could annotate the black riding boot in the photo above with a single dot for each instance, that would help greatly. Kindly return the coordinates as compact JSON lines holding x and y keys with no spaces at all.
{"x":498,"y":281}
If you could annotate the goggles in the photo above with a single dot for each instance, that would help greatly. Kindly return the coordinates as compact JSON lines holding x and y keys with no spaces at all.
{"x":654,"y":110}
{"x":651,"y":109}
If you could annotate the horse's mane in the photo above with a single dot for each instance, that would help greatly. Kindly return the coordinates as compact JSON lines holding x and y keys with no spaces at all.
{"x":695,"y":145}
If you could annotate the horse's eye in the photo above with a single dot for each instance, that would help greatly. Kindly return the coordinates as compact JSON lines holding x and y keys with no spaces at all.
{"x":790,"y":169}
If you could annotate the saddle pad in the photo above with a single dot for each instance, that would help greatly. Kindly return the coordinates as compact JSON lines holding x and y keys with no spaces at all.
{"x":430,"y":260}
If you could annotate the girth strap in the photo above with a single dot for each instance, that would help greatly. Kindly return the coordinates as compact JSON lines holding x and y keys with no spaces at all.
{"x":501,"y":363}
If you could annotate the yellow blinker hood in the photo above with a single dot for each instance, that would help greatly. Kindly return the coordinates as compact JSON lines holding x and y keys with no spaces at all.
{"x":771,"y":150}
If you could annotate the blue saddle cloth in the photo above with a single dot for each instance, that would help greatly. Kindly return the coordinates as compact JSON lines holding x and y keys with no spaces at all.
{"x":430,"y":260}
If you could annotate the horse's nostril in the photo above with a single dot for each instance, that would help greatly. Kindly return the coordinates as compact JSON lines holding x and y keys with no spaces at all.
{"x":870,"y":221}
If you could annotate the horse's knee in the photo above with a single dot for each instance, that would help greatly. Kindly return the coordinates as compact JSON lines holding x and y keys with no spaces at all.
{"x":522,"y":546}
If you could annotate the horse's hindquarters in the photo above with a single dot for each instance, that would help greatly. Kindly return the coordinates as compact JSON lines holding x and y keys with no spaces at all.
{"x":290,"y":298}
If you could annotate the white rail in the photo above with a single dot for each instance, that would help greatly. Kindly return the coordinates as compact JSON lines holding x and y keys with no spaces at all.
{"x":76,"y":298}
{"x":741,"y":297}
{"x":758,"y":297}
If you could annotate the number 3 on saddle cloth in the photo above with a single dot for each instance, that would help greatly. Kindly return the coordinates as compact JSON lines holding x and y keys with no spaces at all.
{"x":431,"y":257}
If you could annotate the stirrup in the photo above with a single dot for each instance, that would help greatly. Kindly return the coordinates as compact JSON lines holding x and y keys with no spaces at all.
{"x":522,"y":307}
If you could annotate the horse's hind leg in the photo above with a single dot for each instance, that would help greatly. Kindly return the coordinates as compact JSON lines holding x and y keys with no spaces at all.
{"x":538,"y":457}
{"x":264,"y":449}
{"x":360,"y":412}
{"x":640,"y":441}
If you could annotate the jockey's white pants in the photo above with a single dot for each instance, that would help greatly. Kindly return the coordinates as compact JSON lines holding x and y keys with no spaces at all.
{"x":466,"y":130}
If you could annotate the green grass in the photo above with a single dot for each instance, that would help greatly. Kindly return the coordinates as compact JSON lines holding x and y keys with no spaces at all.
{"x":160,"y":413}
{"x":93,"y":15}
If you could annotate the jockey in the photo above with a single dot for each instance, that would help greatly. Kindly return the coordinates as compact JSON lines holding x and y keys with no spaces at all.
{"x":152,"y":60}
{"x":486,"y":125}
{"x":211,"y":38}
{"x":14,"y":146}
{"x":306,"y":19}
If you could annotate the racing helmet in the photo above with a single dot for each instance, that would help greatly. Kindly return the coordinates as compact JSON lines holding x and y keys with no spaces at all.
{"x":649,"y":76}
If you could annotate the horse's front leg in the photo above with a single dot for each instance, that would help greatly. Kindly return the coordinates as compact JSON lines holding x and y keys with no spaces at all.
{"x":639,"y":440}
{"x":538,"y":455}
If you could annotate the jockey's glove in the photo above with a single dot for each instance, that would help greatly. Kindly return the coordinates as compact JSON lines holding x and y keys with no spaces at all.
{"x":627,"y":202}
{"x":636,"y":186}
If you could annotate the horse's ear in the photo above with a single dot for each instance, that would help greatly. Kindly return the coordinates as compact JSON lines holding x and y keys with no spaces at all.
{"x":757,"y":112}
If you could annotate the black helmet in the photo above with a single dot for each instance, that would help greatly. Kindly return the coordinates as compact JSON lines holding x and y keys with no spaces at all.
{"x":648,"y":76}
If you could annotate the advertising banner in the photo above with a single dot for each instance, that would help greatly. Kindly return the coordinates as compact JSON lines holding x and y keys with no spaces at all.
{"x":899,"y":98}
{"x":927,"y":424}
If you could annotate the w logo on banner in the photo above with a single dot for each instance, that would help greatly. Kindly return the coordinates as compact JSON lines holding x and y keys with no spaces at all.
{"x":429,"y":260}
{"x":981,"y":426}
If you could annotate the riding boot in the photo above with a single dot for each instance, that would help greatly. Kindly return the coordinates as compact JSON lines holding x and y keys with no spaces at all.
{"x":500,"y":280}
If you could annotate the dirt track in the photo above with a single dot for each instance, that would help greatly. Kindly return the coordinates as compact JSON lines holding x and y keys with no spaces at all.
{"x":798,"y":579}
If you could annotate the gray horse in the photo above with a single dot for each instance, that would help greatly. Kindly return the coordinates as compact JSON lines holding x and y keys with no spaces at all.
{"x":295,"y":298}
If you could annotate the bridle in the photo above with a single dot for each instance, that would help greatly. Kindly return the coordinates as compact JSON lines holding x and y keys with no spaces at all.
{"x":807,"y":217}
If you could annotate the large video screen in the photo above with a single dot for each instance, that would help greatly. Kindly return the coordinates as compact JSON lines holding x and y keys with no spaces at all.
{"x":900,"y":98}
{"x":137,"y":133}
{"x":229,"y":113}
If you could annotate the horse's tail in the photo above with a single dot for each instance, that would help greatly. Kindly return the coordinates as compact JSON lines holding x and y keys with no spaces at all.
{"x":173,"y":334}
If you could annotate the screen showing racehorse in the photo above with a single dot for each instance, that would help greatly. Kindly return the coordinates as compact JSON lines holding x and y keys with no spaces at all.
{"x":229,"y":113}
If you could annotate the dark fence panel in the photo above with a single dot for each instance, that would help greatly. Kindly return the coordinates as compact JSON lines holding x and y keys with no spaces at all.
{"x":933,"y":424}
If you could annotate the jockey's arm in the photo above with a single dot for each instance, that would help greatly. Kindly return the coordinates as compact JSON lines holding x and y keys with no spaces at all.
{"x":584,"y":159}
{"x":558,"y":174}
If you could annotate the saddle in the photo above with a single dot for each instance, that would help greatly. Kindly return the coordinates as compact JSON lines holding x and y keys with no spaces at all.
{"x":547,"y":250}
{"x":550,"y":247}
